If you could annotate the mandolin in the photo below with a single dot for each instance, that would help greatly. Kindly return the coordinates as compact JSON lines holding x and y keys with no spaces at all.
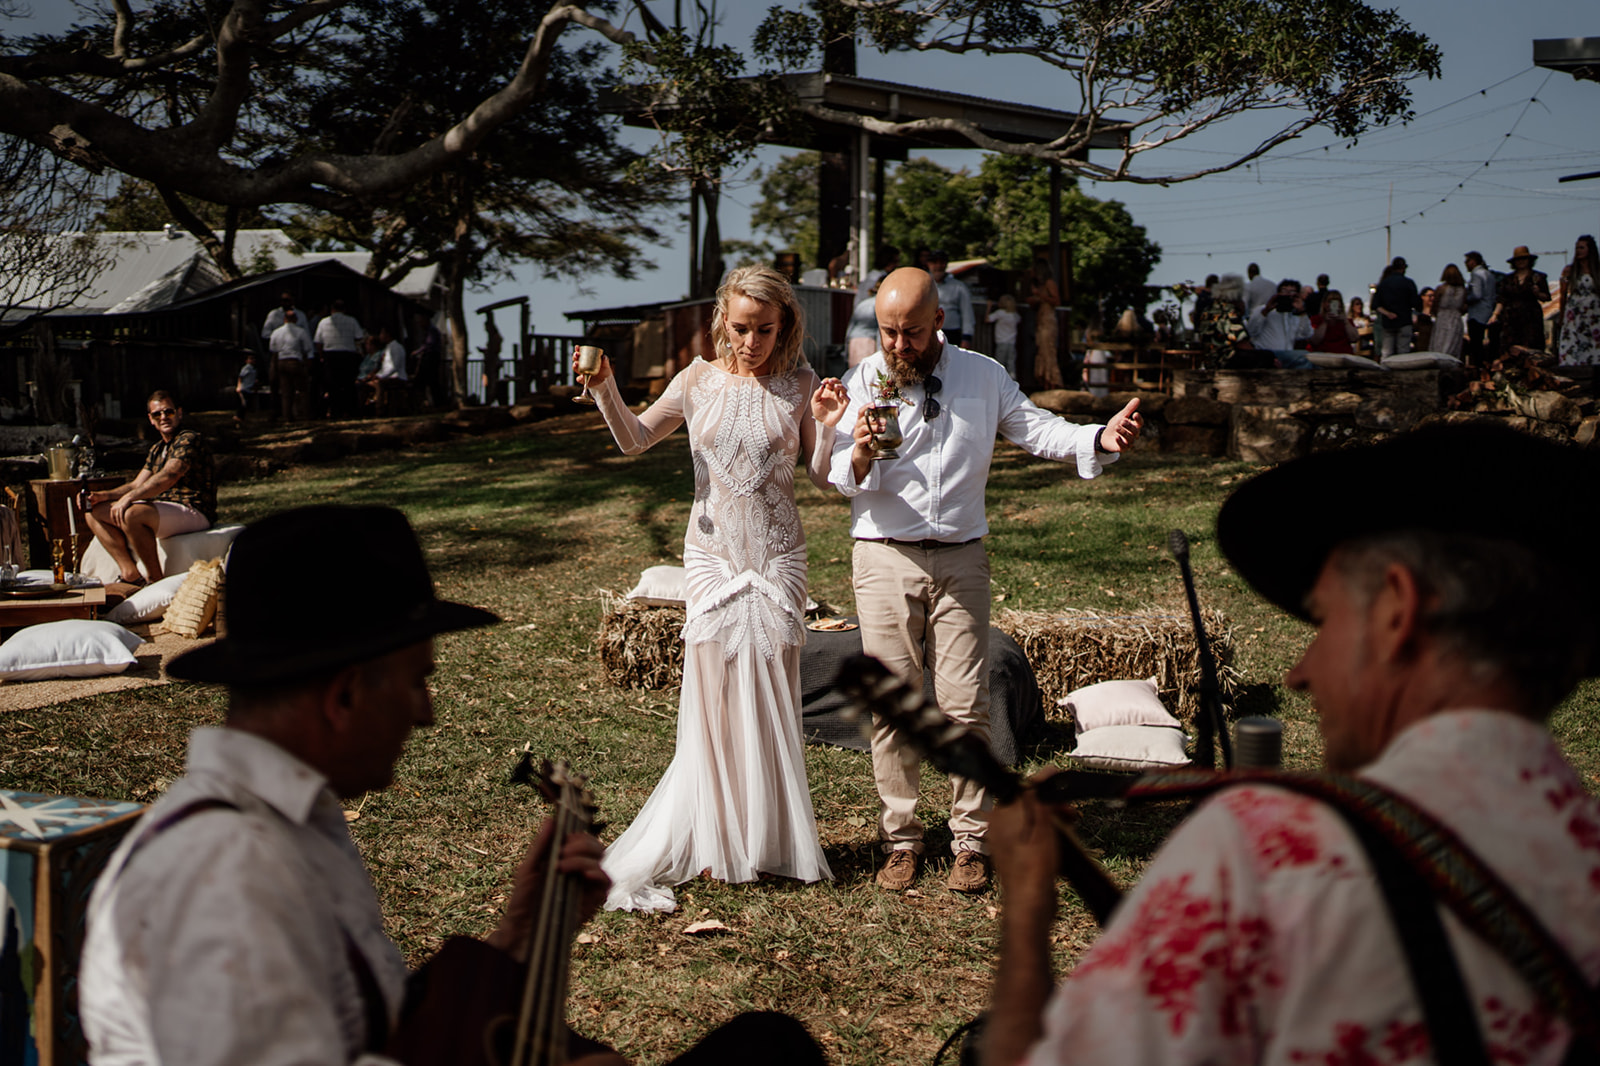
{"x":477,"y":1006}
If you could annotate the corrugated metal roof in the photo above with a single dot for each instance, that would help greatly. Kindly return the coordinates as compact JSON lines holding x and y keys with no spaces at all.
{"x":157,"y":269}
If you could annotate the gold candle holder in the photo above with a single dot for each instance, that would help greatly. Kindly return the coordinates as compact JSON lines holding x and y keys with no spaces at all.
{"x":58,"y":552}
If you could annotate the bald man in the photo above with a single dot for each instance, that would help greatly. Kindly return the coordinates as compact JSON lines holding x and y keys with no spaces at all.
{"x":920,"y":569}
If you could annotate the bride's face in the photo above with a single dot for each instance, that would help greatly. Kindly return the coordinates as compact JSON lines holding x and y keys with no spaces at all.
{"x":752,"y":330}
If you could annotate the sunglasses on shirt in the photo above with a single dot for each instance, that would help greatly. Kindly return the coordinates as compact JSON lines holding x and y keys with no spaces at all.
{"x":930,"y":406}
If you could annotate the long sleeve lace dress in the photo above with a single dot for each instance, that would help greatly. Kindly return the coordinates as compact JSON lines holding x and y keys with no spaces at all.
{"x":734,"y":800}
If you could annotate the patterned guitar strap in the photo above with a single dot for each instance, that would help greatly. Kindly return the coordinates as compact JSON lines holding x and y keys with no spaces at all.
{"x":1418,"y":862}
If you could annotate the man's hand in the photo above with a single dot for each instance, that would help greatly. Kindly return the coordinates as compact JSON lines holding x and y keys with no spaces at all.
{"x":828,"y":403}
{"x":580,"y":856}
{"x":119,"y":511}
{"x":1123,"y":429}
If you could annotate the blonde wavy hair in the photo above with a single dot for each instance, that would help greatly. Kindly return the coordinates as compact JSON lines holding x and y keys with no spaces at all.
{"x":763,"y":284}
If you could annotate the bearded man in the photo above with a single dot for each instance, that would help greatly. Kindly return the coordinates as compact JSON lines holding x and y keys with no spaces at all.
{"x":921,"y":573}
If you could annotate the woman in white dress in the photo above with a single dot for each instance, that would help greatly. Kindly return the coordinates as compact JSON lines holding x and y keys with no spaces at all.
{"x":735,"y":801}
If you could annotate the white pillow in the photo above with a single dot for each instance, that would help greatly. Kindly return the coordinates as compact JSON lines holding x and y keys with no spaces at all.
{"x":660,"y":586}
{"x":1111,"y":703}
{"x":1131,"y":747}
{"x":74,"y":648}
{"x":148,"y":604}
{"x":1421,"y":361}
{"x":1342,"y":360}
{"x":177,"y":554}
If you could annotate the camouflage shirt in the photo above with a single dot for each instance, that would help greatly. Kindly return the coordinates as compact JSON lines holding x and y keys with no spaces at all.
{"x":197,"y":487}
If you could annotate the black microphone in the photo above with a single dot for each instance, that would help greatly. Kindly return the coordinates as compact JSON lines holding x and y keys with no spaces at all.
{"x":1212,"y":730}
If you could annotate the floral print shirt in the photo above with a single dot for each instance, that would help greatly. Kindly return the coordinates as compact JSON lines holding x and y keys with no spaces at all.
{"x":1258,"y":935}
{"x":198,"y":486}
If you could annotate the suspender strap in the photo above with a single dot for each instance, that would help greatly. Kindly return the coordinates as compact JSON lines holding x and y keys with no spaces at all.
{"x":1435,"y":974}
{"x":374,"y":1006}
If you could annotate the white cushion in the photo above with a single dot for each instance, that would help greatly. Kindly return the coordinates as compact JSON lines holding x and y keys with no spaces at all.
{"x":1421,"y":361}
{"x":660,"y":586}
{"x":177,"y":554}
{"x":74,"y":648}
{"x":1342,"y":360}
{"x":148,"y":604}
{"x":1131,"y":747}
{"x":1111,"y":703}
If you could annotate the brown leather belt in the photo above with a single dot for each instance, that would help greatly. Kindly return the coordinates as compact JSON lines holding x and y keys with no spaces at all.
{"x":922,"y":545}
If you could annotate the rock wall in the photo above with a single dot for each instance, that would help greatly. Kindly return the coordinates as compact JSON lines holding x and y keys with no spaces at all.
{"x":1267,"y":416}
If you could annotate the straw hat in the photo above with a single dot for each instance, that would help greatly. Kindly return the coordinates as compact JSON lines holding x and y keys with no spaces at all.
{"x":1522,"y":253}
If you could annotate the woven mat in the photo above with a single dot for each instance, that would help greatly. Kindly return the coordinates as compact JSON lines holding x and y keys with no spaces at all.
{"x":150,"y":670}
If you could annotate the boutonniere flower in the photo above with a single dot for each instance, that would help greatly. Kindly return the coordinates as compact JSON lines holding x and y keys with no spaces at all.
{"x":886,"y":392}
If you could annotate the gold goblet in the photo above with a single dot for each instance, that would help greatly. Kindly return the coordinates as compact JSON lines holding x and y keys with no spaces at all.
{"x":588,"y":365}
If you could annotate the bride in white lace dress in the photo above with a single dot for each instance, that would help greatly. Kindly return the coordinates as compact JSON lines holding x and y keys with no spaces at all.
{"x":735,"y":801}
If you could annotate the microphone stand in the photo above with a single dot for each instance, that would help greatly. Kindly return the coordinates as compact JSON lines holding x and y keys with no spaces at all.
{"x":1210,"y":724}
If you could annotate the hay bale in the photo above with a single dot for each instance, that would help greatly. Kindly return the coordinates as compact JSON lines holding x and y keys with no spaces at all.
{"x":1072,"y":648}
{"x":641,"y":646}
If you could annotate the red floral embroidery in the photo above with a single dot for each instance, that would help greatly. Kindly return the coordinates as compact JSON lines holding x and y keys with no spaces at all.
{"x":1399,"y":1042}
{"x":1182,"y":942}
{"x":1514,"y":1036}
{"x":1282,"y":829}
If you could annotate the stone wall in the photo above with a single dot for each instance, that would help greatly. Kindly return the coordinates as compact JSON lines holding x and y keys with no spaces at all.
{"x":1267,"y":416}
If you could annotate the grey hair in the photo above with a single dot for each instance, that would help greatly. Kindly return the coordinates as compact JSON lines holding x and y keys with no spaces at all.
{"x":1229,"y":288}
{"x":1496,"y":607}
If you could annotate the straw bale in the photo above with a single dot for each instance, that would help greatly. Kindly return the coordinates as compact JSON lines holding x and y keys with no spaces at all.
{"x":641,"y":646}
{"x":1072,"y":648}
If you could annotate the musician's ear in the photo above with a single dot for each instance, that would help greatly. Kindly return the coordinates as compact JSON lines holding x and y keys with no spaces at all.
{"x":341,"y":697}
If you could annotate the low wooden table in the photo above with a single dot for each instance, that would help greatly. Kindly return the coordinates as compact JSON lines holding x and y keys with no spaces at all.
{"x":77,"y":603}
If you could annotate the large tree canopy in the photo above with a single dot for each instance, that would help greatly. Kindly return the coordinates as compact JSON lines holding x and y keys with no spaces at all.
{"x":161,"y":90}
{"x":1152,"y":72}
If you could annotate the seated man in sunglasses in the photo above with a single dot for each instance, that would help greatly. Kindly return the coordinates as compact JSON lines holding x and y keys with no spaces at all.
{"x":176,"y":492}
{"x":921,"y":574}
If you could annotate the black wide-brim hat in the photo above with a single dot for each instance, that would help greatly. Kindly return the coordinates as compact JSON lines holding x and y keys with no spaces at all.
{"x":1479,"y":478}
{"x":286,"y":621}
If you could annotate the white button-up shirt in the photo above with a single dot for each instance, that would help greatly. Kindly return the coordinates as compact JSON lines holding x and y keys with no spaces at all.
{"x":290,"y":341}
{"x":339,"y":333}
{"x":223,"y":939}
{"x":936,"y":489}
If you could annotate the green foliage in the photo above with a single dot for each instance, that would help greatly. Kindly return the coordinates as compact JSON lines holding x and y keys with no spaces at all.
{"x":1002,"y":214}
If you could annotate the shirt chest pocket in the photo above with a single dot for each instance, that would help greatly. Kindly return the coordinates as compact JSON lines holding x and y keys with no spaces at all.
{"x":969,"y":420}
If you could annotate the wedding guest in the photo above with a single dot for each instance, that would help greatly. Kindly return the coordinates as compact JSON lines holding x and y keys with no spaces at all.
{"x":1422,"y":330}
{"x":1004,"y":318}
{"x":1580,"y":306}
{"x":1449,"y":305}
{"x":1520,"y":299}
{"x":1481,"y":298}
{"x":1331,"y":329}
{"x":1363,"y":324}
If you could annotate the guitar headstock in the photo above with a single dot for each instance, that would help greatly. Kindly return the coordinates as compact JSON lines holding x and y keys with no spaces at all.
{"x":874,"y":690}
{"x":566,"y":789}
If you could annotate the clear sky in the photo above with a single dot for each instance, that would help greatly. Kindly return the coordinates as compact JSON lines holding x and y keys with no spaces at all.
{"x":1476,"y":169}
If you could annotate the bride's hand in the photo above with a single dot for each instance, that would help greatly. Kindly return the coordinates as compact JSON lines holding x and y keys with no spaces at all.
{"x":829,"y":402}
{"x":598,"y":376}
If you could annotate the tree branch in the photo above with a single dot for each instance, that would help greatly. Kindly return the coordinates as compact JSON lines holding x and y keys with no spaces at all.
{"x":221,"y":252}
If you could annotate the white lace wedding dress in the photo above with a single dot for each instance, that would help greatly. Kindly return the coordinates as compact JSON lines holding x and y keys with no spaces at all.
{"x":734,"y":800}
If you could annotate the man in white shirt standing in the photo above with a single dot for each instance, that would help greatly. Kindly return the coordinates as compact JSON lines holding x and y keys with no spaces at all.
{"x":291,"y":355}
{"x":921,"y":574}
{"x":1258,"y":291}
{"x":338,"y":340}
{"x":955,"y":299}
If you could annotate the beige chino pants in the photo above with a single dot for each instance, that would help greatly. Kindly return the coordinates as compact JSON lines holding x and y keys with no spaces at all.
{"x":927,"y":607}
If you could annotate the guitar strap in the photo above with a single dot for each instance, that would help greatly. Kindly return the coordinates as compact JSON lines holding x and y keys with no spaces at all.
{"x":1417,"y":861}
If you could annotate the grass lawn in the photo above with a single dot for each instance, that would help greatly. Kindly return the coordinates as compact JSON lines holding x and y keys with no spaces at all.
{"x":533,"y":524}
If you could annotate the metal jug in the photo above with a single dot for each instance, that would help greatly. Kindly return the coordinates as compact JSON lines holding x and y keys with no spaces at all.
{"x":61,"y":457}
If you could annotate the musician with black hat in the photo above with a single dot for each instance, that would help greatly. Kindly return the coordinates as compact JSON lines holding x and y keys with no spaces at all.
{"x":1296,"y":921}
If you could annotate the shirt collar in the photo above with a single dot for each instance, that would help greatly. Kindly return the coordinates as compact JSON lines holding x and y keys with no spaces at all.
{"x":259,"y":767}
